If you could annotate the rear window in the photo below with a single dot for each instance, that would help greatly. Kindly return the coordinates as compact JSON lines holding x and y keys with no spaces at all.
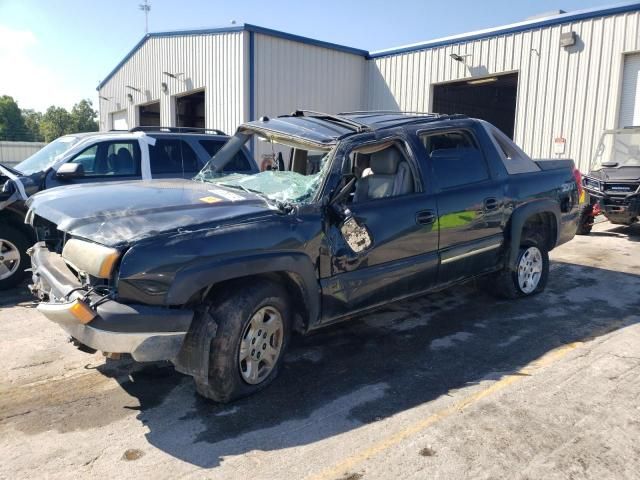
{"x":514,"y":159}
{"x":456,"y":158}
{"x":172,"y":155}
{"x":239,"y":163}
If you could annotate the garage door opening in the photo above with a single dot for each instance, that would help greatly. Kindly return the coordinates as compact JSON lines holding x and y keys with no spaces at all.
{"x":190,"y":110}
{"x":149,"y":115}
{"x":492,"y":99}
{"x":119,"y":120}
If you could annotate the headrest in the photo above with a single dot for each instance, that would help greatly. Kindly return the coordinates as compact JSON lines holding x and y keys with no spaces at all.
{"x":386,"y":161}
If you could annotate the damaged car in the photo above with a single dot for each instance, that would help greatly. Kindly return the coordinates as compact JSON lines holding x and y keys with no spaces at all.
{"x":613,"y":181}
{"x":89,"y":158}
{"x":358,"y":210}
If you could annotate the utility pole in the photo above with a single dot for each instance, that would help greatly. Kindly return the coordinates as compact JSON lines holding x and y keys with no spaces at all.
{"x":145,"y":7}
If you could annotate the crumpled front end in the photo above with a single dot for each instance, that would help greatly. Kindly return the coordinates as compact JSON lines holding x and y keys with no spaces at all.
{"x":73,"y":295}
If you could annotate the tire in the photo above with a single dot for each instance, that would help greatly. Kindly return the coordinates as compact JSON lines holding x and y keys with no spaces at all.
{"x":13,"y":256}
{"x":585,"y":220}
{"x":508,"y":284}
{"x":230,"y":377}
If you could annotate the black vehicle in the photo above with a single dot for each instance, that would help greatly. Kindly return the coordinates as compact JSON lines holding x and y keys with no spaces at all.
{"x":215,"y":274}
{"x":83,"y":158}
{"x":613,"y":182}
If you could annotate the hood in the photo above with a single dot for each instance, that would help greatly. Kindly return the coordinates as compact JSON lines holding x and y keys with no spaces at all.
{"x":619,"y":174}
{"x":124,"y":212}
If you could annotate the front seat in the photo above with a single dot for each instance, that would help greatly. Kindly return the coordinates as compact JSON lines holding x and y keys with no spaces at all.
{"x":123,"y":162}
{"x":388,"y":175}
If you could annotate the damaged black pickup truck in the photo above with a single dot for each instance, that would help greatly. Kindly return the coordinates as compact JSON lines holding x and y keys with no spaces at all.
{"x":358,"y":210}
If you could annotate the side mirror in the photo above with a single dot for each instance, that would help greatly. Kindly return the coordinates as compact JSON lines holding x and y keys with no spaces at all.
{"x":356,"y":235}
{"x":70,"y":170}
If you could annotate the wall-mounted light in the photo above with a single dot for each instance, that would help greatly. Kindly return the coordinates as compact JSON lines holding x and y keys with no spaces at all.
{"x":173,"y":75}
{"x":458,"y":58}
{"x":130,"y":97}
{"x":482,"y":80}
{"x":106,"y":99}
{"x":165,"y":87}
{"x":568,"y":39}
{"x":132,"y":88}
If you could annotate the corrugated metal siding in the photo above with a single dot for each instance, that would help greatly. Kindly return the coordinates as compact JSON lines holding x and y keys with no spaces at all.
{"x":291,"y":75}
{"x":572,"y":93}
{"x":214,"y":62}
{"x":14,"y":152}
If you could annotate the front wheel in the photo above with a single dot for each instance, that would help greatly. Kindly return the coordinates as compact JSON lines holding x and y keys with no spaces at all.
{"x":13,"y":256}
{"x":253,"y":332}
{"x":530,"y":276}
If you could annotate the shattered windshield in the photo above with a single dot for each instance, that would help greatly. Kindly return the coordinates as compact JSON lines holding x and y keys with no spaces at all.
{"x":618,"y":149}
{"x":46,"y":156}
{"x":292,"y":171}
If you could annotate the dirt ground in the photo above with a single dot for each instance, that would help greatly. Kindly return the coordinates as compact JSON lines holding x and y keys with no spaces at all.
{"x":451,"y":385}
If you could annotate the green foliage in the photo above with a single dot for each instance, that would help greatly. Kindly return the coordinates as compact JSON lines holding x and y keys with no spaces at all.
{"x":29,"y":125}
{"x":12,"y":125}
{"x":32,"y":121}
{"x":56,"y":121}
{"x":83,"y":117}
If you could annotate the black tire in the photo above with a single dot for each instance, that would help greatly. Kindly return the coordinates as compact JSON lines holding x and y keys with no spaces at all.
{"x":232,"y":315}
{"x":505,"y":283}
{"x":585,"y":219}
{"x":20,"y":241}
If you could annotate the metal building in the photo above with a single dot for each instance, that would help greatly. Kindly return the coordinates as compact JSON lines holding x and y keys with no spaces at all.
{"x":552,"y":83}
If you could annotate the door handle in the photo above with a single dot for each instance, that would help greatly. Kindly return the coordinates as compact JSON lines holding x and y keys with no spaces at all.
{"x":425,"y":217}
{"x":490,"y":203}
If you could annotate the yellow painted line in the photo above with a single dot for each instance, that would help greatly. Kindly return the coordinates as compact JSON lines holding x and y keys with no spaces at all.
{"x":392,"y":440}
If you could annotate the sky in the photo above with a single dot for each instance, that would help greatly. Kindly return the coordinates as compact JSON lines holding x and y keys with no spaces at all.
{"x":55,"y":52}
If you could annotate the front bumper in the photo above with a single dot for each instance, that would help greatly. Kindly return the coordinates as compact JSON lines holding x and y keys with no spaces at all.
{"x":147,"y":333}
{"x":618,"y":209}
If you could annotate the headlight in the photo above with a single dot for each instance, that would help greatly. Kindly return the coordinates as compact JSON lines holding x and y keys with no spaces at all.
{"x":591,"y":183}
{"x":96,"y":260}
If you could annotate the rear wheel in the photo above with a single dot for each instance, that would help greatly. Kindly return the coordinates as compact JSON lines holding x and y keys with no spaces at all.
{"x":13,"y":256}
{"x":531,"y":273}
{"x":585,"y":220}
{"x":253,"y":332}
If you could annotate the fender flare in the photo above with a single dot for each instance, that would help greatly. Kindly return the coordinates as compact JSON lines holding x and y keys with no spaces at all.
{"x":193,"y":358}
{"x":518,"y":219}
{"x":190,"y":280}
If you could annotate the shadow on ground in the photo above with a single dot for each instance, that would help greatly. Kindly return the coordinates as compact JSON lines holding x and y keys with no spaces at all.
{"x":382,"y":364}
{"x":630,"y":232}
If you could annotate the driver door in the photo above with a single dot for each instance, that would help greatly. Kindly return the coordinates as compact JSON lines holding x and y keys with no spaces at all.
{"x":388,"y":247}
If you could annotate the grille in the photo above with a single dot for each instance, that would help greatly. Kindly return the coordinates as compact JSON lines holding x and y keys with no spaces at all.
{"x":621,"y":188}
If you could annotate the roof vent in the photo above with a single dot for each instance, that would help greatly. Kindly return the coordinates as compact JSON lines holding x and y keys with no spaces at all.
{"x":550,"y":13}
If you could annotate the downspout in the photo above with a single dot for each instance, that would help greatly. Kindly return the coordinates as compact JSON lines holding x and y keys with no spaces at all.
{"x":252,"y":106}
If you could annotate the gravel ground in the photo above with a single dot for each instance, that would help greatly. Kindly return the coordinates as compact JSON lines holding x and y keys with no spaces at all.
{"x":451,"y":385}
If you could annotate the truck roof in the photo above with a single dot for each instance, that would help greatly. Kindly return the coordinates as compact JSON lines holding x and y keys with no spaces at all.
{"x":327,"y":129}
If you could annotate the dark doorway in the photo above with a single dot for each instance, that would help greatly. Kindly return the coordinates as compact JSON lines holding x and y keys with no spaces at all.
{"x":190,"y":110}
{"x":492,"y":99}
{"x":149,"y":115}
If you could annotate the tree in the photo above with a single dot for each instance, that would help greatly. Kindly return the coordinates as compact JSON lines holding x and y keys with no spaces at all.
{"x":56,"y":122}
{"x":83,"y":117}
{"x":32,"y":120}
{"x":12,"y":125}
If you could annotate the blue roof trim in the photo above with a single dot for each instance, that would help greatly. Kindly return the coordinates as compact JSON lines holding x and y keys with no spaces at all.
{"x":465,"y":37}
{"x":236,"y":28}
{"x":307,"y":40}
{"x":512,"y":28}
